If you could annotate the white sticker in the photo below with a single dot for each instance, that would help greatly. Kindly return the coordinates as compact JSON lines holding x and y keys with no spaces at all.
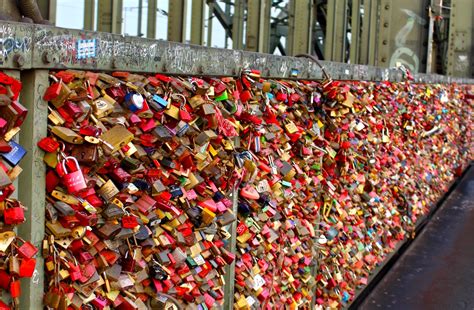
{"x":35,"y":277}
{"x":199,"y":260}
{"x":250,"y":301}
{"x":258,"y":282}
{"x":86,"y":49}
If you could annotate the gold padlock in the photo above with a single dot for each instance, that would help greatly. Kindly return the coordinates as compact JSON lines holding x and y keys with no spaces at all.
{"x":116,"y":138}
{"x":67,"y":135}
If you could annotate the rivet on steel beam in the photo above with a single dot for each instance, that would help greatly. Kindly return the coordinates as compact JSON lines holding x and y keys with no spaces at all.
{"x":47,"y":57}
{"x":384,"y":59}
{"x":387,"y":6}
{"x":385,"y":25}
{"x":384,"y":42}
{"x":19,"y":60}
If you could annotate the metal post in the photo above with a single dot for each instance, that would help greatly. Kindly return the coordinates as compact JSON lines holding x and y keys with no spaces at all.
{"x":334,"y":42}
{"x":32,"y":180}
{"x":265,"y":20}
{"x":258,"y":26}
{"x":373,"y":30}
{"x":383,"y":49}
{"x":109,"y":17}
{"x":230,"y":272}
{"x":140,"y":15}
{"x":89,"y":14}
{"x":369,"y":32}
{"x":238,"y":25}
{"x":117,"y":9}
{"x":197,"y":22}
{"x":355,"y":32}
{"x":151,"y":19}
{"x":299,"y":27}
{"x":52,"y":11}
{"x":460,"y":38}
{"x":253,"y":25}
{"x":177,"y":20}
{"x":48,"y":9}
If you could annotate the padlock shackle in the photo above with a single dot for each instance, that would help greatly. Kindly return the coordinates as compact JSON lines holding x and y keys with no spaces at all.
{"x":74,"y":160}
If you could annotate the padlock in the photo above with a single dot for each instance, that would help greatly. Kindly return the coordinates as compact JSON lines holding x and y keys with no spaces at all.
{"x":67,"y":135}
{"x":116,"y":138}
{"x":15,"y":288}
{"x":14,"y":213}
{"x":14,"y":266}
{"x":16,"y":154}
{"x":27,"y":267}
{"x":74,"y":181}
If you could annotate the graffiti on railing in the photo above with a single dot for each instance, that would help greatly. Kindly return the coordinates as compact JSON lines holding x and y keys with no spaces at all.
{"x":404,"y":55}
{"x":11,"y":44}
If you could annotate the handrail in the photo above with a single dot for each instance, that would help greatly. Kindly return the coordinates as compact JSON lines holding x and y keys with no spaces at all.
{"x":29,"y":46}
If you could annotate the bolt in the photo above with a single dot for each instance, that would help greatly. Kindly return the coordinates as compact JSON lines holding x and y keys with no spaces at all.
{"x":384,"y":42}
{"x":47,"y":58}
{"x":387,"y":7}
{"x":385,"y":25}
{"x":384,"y":59}
{"x":19,"y":60}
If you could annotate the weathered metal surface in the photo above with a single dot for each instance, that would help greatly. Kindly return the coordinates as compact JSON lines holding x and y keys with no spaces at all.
{"x":89,"y":14}
{"x":336,"y":36}
{"x":25,"y":46}
{"x":238,"y":25}
{"x":403,"y":33}
{"x":177,"y":20}
{"x":16,"y":45}
{"x":300,"y":25}
{"x":197,"y":21}
{"x":461,"y":40}
{"x":32,"y":180}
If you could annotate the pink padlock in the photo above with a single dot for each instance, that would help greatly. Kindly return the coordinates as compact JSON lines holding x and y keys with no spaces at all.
{"x":100,"y":302}
{"x":74,"y":181}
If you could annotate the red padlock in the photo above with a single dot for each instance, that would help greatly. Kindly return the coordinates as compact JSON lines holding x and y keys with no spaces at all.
{"x":129,"y":221}
{"x":27,"y":249}
{"x":15,"y":289}
{"x":52,"y":180}
{"x":184,"y":114}
{"x":5,"y":279}
{"x":245,"y":96}
{"x":21,"y":113}
{"x":52,"y":92}
{"x":75,"y":272}
{"x":74,"y":180}
{"x":48,"y":144}
{"x":13,"y":215}
{"x":281,"y":96}
{"x":27,"y":267}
